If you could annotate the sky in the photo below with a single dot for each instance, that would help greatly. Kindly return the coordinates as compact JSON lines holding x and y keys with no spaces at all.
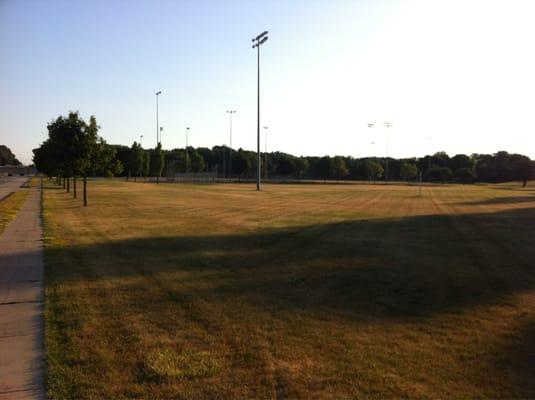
{"x":452,"y":75}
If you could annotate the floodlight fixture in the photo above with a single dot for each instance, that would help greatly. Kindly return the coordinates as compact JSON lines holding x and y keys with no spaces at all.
{"x":260,"y":36}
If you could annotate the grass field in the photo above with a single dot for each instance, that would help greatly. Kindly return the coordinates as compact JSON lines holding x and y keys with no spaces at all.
{"x":10,"y":206}
{"x":180,"y":291}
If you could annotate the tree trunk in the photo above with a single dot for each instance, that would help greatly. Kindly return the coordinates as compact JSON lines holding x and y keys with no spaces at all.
{"x":524,"y":183}
{"x":64,"y":184}
{"x":85,"y":191}
{"x":74,"y":185}
{"x":68,"y":185}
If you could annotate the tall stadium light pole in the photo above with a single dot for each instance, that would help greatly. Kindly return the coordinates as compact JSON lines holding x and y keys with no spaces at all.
{"x":157,"y":123}
{"x":187,"y":130}
{"x":258,"y":41}
{"x":230,"y":153}
{"x":265,"y":151}
{"x":371,"y":126}
{"x":387,"y":126}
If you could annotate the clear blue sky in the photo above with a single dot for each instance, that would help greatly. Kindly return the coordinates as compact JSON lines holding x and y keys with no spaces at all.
{"x":451,"y":75}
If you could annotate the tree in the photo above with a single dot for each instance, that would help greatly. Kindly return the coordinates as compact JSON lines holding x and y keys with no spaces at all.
{"x":157,"y":162}
{"x":7,"y":157}
{"x":136,"y":160}
{"x":375,"y":169}
{"x":285,"y":164}
{"x":241,"y":164}
{"x":73,"y":148}
{"x":196,"y":161}
{"x":339,"y":168}
{"x":145,"y":163}
{"x":69,"y":144}
{"x":301,"y":166}
{"x":408,"y":171}
{"x":465,"y":175}
{"x":440,"y":174}
{"x":461,"y":161}
{"x":522,"y":168}
{"x":326,"y":167}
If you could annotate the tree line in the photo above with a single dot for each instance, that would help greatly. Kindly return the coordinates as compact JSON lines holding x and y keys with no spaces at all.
{"x":241,"y":164}
{"x":74,"y":149}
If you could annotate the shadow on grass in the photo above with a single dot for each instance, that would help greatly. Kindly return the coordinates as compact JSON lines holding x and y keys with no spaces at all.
{"x":502,"y":200}
{"x":372,"y":269}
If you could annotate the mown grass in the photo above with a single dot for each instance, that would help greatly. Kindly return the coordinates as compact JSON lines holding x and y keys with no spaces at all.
{"x":178,"y":291}
{"x":9,"y":207}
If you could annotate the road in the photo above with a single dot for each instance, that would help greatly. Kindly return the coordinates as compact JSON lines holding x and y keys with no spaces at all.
{"x":21,"y":301}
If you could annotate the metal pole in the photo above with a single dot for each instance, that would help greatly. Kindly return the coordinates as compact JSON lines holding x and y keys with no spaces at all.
{"x":265,"y":152}
{"x":230,"y":152}
{"x":187,"y":163}
{"x":157,"y":123}
{"x":258,"y":120}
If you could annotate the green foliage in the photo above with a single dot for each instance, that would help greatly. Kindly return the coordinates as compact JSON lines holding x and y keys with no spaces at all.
{"x":465,"y":175}
{"x":440,"y":174}
{"x":241,"y":163}
{"x":408,"y":171}
{"x":73,"y":148}
{"x":7,"y":157}
{"x":339,"y":168}
{"x":136,"y":160}
{"x":196,"y":161}
{"x":375,"y":169}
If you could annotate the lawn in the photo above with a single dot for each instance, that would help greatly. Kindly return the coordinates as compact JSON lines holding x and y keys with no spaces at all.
{"x":364,"y":291}
{"x":10,"y":206}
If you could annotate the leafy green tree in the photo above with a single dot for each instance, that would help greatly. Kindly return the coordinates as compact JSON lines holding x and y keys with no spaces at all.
{"x":159,"y":162}
{"x":7,"y":157}
{"x":301,"y":166}
{"x":241,"y":164}
{"x":339,"y":168}
{"x":465,"y":175}
{"x":196,"y":161}
{"x":285,"y":164}
{"x":522,"y":168}
{"x":375,"y":169}
{"x":440,"y":174}
{"x":145,"y":163}
{"x":326,"y":167}
{"x":136,"y":160}
{"x":408,"y":171}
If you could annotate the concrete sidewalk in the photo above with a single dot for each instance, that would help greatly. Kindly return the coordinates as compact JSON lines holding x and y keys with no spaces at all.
{"x":21,"y":304}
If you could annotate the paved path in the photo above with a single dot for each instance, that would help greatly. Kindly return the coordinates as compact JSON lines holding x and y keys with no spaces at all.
{"x":21,"y":304}
{"x":10,"y":184}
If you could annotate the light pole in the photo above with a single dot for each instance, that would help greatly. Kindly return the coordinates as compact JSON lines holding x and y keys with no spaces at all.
{"x":161,"y":130}
{"x":230,"y":154}
{"x":187,"y":161}
{"x":387,"y":126}
{"x":258,"y":41}
{"x":157,"y":123}
{"x":265,"y":151}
